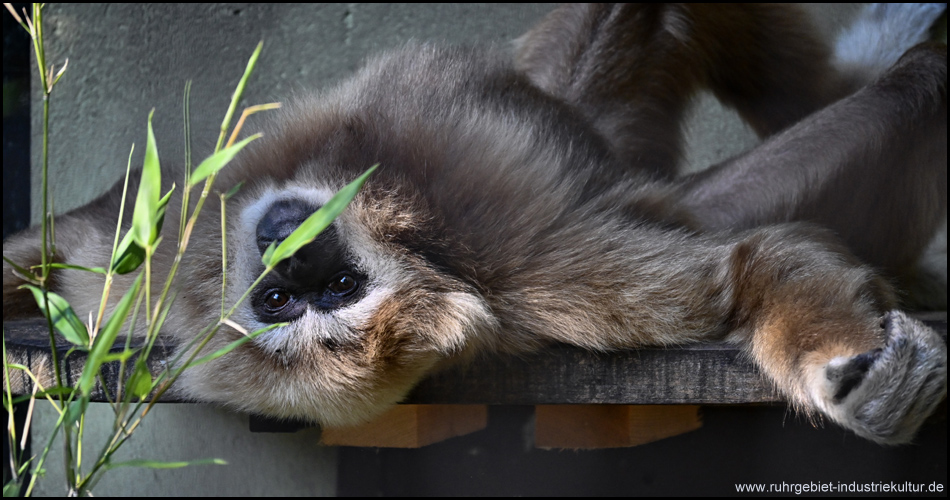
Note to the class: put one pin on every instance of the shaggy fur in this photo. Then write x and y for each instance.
(529, 199)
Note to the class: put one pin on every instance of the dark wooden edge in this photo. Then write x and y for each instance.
(714, 373)
(711, 373)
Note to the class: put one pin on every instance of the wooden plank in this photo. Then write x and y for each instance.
(697, 374)
(715, 373)
(611, 426)
(411, 426)
(27, 343)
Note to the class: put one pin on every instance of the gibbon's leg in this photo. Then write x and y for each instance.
(872, 167)
(84, 237)
(812, 318)
(632, 68)
(810, 314)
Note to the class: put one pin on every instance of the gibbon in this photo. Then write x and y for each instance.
(528, 195)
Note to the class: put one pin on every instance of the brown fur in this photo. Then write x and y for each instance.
(525, 203)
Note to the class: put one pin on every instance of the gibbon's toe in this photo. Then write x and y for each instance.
(846, 375)
(886, 394)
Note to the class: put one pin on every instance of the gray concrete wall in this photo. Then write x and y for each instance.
(257, 464)
(125, 60)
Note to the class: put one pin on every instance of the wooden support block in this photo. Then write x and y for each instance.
(411, 426)
(611, 426)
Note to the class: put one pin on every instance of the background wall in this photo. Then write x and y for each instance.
(125, 60)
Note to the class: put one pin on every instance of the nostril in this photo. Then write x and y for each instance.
(280, 220)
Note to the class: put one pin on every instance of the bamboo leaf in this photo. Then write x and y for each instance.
(11, 489)
(59, 392)
(317, 222)
(64, 319)
(238, 92)
(75, 410)
(118, 356)
(234, 190)
(162, 203)
(97, 270)
(145, 214)
(233, 345)
(160, 214)
(268, 255)
(26, 273)
(154, 464)
(129, 255)
(106, 338)
(140, 383)
(214, 163)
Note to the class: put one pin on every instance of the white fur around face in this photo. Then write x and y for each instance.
(340, 325)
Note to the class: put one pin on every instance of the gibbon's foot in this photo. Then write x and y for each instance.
(886, 394)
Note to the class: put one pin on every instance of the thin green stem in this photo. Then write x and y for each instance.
(42, 459)
(224, 252)
(82, 428)
(68, 456)
(183, 214)
(37, 36)
(8, 406)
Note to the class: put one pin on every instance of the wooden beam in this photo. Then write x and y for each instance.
(611, 426)
(411, 426)
(713, 373)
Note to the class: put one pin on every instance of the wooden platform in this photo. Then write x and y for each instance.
(583, 399)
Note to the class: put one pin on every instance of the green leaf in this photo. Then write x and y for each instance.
(63, 317)
(22, 270)
(97, 270)
(140, 383)
(160, 214)
(129, 256)
(11, 489)
(234, 190)
(75, 410)
(268, 255)
(154, 464)
(317, 222)
(214, 163)
(162, 203)
(238, 91)
(118, 356)
(106, 338)
(233, 345)
(145, 216)
(60, 392)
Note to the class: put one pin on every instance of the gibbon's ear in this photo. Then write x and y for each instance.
(462, 317)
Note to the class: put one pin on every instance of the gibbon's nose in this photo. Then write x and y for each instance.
(314, 264)
(280, 220)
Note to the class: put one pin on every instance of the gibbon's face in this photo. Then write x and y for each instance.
(365, 320)
(370, 306)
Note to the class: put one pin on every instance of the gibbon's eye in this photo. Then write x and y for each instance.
(276, 299)
(343, 284)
